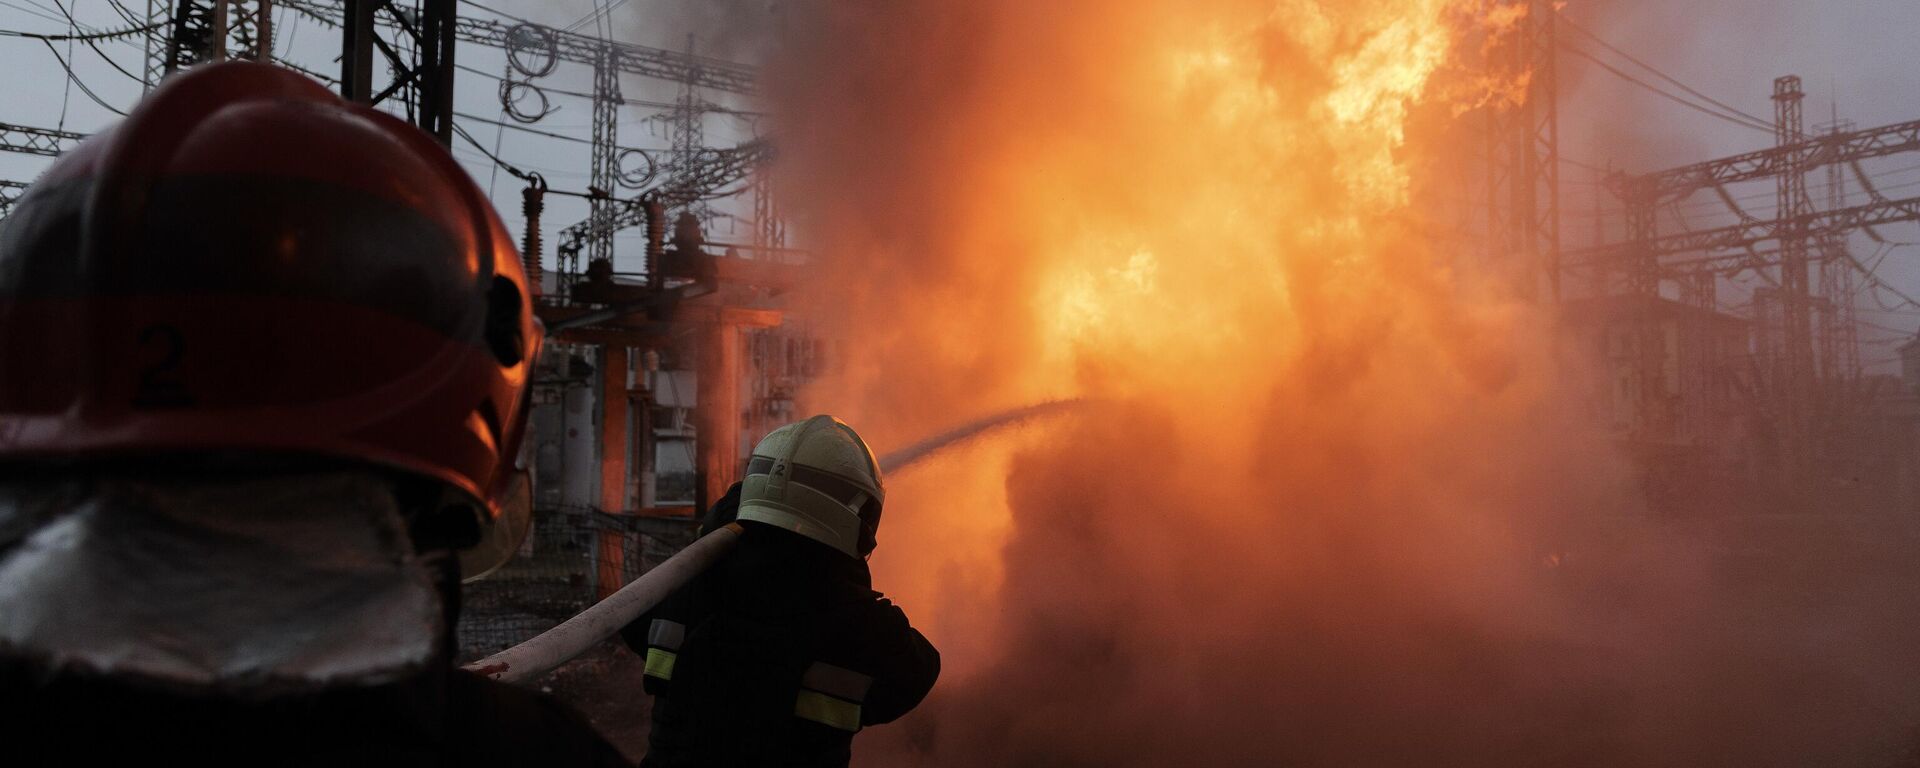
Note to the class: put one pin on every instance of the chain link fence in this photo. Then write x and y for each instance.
(572, 558)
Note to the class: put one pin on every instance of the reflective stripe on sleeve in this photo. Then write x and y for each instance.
(666, 634)
(827, 710)
(660, 663)
(838, 681)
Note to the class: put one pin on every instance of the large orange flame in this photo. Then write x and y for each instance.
(1317, 432)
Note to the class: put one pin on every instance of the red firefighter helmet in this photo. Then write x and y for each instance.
(249, 263)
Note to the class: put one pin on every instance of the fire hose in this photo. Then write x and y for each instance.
(576, 635)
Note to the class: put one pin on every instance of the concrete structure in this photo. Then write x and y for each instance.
(1674, 384)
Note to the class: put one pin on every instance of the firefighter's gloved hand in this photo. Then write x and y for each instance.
(722, 512)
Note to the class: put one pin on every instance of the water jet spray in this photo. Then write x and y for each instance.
(574, 636)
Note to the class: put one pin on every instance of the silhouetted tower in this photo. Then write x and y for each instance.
(1796, 375)
(209, 30)
(1839, 327)
(1523, 179)
(605, 162)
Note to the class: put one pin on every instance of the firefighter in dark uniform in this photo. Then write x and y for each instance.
(264, 372)
(783, 651)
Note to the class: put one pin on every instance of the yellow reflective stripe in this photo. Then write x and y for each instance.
(839, 681)
(660, 663)
(827, 710)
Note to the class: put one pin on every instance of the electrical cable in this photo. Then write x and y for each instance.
(125, 13)
(522, 128)
(32, 12)
(66, 92)
(717, 62)
(1584, 164)
(1878, 283)
(40, 5)
(502, 14)
(295, 32)
(624, 100)
(499, 134)
(598, 12)
(96, 49)
(1701, 205)
(75, 80)
(1656, 71)
(102, 35)
(508, 167)
(1877, 326)
(330, 80)
(1709, 111)
(543, 170)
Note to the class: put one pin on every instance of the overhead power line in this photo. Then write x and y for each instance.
(1682, 101)
(521, 128)
(94, 47)
(598, 12)
(33, 12)
(102, 35)
(1584, 164)
(502, 164)
(75, 80)
(1712, 205)
(1657, 72)
(501, 14)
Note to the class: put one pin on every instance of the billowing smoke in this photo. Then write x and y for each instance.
(1332, 502)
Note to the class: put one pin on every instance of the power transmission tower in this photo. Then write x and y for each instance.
(424, 79)
(211, 30)
(1796, 382)
(248, 28)
(604, 171)
(10, 191)
(562, 45)
(1839, 324)
(1802, 374)
(45, 142)
(27, 140)
(769, 229)
(716, 169)
(1523, 179)
(156, 58)
(687, 135)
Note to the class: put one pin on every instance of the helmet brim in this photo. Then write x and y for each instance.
(501, 539)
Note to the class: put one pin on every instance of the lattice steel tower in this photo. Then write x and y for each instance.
(1523, 179)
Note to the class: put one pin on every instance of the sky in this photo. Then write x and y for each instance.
(1854, 56)
(37, 93)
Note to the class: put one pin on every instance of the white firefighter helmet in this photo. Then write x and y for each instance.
(818, 479)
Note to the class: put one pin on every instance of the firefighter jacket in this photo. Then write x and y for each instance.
(776, 657)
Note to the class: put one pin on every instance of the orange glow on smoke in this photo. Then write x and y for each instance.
(1228, 223)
